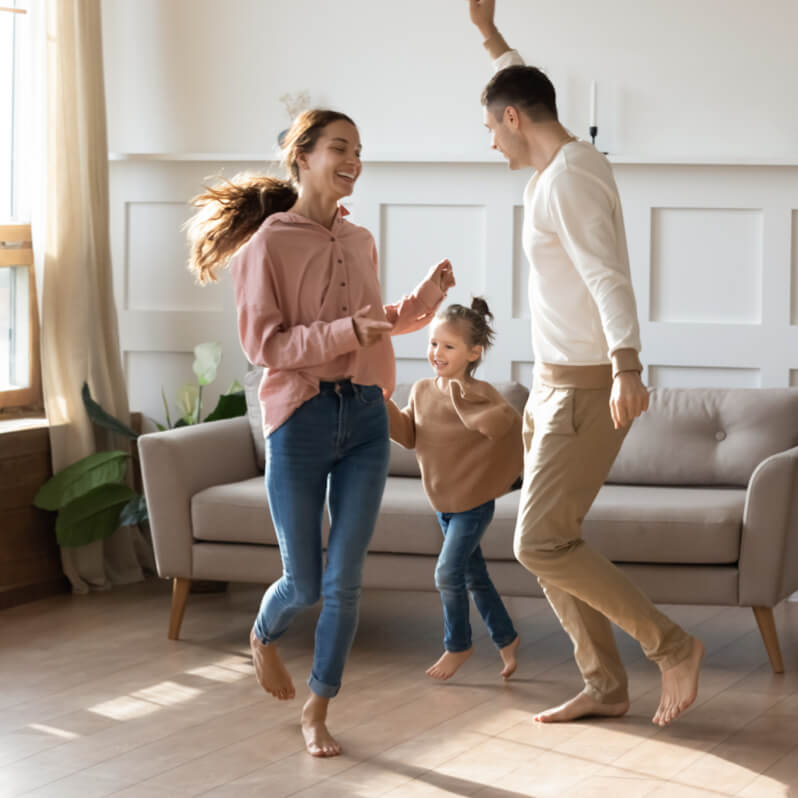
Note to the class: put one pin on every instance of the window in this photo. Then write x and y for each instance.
(19, 358)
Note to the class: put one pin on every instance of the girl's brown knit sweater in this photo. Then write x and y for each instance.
(468, 442)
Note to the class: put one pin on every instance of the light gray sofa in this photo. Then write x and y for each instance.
(701, 507)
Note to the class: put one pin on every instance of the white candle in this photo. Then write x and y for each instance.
(593, 122)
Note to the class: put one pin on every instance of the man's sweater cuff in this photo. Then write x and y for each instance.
(625, 360)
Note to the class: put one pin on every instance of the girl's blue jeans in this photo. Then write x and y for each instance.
(461, 570)
(336, 443)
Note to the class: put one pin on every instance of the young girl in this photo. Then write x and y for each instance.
(469, 447)
(309, 310)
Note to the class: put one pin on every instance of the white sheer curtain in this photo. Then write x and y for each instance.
(79, 330)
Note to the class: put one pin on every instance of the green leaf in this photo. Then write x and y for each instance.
(229, 405)
(81, 477)
(103, 419)
(93, 516)
(207, 357)
(134, 512)
(235, 387)
(166, 408)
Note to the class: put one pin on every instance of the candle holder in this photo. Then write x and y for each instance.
(593, 133)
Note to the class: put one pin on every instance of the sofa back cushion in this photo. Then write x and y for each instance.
(707, 436)
(403, 461)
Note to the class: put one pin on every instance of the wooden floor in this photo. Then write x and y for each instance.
(95, 701)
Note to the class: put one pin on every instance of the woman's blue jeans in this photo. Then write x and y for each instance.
(337, 442)
(461, 570)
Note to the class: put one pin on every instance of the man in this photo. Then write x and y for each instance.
(587, 388)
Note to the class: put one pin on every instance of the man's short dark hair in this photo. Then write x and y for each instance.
(525, 88)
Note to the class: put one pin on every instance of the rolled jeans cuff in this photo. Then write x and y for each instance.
(321, 689)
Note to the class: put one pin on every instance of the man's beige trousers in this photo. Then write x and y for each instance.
(570, 444)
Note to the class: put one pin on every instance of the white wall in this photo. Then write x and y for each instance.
(714, 248)
(683, 77)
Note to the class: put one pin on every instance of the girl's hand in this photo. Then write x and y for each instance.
(369, 331)
(443, 275)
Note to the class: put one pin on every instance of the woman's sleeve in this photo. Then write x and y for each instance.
(415, 311)
(266, 338)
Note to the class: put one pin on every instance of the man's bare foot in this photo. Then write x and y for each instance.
(508, 657)
(318, 741)
(269, 669)
(679, 686)
(581, 706)
(448, 664)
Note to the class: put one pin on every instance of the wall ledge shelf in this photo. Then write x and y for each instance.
(448, 158)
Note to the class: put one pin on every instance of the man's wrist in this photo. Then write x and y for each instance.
(625, 360)
(494, 42)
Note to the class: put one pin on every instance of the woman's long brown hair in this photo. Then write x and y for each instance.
(230, 212)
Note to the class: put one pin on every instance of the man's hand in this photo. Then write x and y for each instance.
(443, 275)
(369, 331)
(482, 14)
(629, 398)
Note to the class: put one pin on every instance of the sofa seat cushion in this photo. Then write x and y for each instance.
(237, 512)
(644, 524)
(627, 523)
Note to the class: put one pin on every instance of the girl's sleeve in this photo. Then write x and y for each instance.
(402, 423)
(265, 336)
(484, 411)
(415, 311)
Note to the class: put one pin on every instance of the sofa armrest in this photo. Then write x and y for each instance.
(178, 463)
(769, 546)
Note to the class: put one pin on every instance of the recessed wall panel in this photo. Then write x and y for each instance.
(521, 371)
(706, 265)
(411, 369)
(794, 269)
(520, 267)
(702, 377)
(155, 258)
(415, 237)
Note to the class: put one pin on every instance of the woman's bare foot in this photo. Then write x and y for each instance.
(318, 741)
(508, 657)
(448, 664)
(581, 706)
(679, 686)
(269, 669)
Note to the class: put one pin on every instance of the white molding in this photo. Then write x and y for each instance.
(444, 158)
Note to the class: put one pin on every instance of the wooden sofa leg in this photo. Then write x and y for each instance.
(770, 637)
(180, 588)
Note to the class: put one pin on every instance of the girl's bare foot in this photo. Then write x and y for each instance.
(508, 657)
(448, 664)
(318, 741)
(269, 669)
(581, 706)
(679, 686)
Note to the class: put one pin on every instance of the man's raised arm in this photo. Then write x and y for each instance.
(482, 15)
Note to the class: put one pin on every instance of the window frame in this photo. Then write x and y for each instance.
(16, 250)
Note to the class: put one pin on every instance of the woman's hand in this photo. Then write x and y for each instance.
(369, 331)
(443, 275)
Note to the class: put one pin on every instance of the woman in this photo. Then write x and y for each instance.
(310, 312)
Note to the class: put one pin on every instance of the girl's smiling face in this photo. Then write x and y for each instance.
(449, 352)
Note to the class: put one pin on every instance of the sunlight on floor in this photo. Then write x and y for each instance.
(62, 733)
